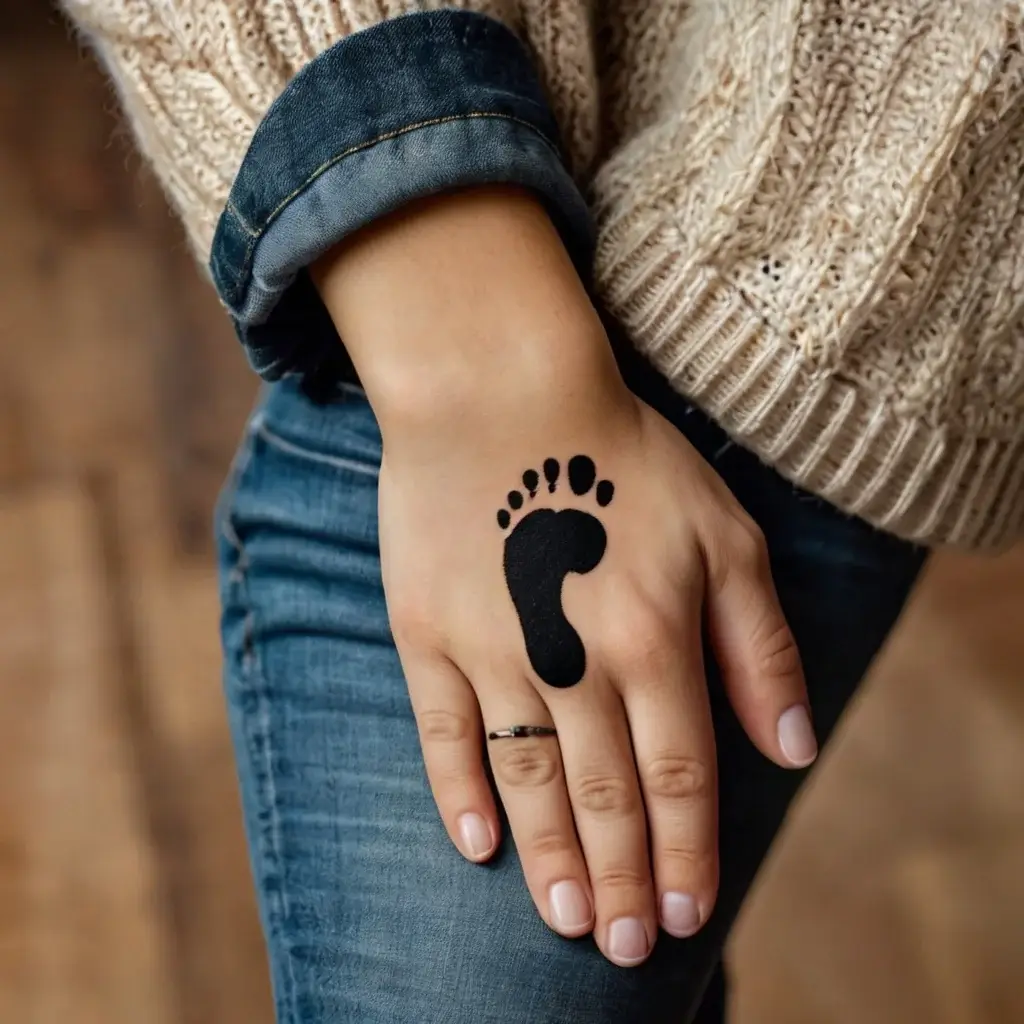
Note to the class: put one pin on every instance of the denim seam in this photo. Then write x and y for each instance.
(239, 464)
(256, 234)
(258, 742)
(328, 460)
(237, 214)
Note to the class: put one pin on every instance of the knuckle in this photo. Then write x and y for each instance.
(748, 546)
(438, 726)
(411, 626)
(550, 842)
(693, 860)
(606, 795)
(653, 652)
(739, 546)
(620, 877)
(688, 868)
(777, 653)
(675, 777)
(641, 639)
(525, 763)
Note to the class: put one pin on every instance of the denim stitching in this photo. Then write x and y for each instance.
(337, 461)
(257, 737)
(225, 503)
(254, 238)
(404, 130)
(236, 213)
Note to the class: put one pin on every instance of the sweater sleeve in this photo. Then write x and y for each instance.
(196, 77)
(277, 127)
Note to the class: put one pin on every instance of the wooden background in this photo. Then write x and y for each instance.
(897, 894)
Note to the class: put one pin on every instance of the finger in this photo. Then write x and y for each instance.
(608, 808)
(448, 720)
(531, 784)
(663, 687)
(755, 649)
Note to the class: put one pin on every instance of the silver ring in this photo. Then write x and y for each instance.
(515, 732)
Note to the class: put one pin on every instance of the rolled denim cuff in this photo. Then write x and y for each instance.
(414, 106)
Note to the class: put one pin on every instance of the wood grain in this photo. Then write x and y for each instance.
(121, 379)
(83, 932)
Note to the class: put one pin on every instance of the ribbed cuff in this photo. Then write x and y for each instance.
(915, 479)
(412, 107)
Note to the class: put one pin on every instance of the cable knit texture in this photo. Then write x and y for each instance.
(810, 212)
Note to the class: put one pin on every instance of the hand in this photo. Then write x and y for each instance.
(548, 543)
(513, 603)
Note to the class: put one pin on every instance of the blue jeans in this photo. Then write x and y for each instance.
(370, 914)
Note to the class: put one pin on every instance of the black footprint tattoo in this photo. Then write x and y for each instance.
(542, 549)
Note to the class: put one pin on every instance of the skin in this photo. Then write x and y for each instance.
(482, 355)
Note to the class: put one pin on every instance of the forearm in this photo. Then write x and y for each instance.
(462, 302)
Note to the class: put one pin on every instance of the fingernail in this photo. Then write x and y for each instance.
(796, 736)
(627, 941)
(570, 908)
(680, 915)
(476, 836)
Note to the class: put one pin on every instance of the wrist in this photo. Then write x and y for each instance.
(540, 382)
(464, 307)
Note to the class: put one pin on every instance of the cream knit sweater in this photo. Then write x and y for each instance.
(810, 212)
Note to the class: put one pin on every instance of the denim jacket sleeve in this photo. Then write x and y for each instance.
(417, 105)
